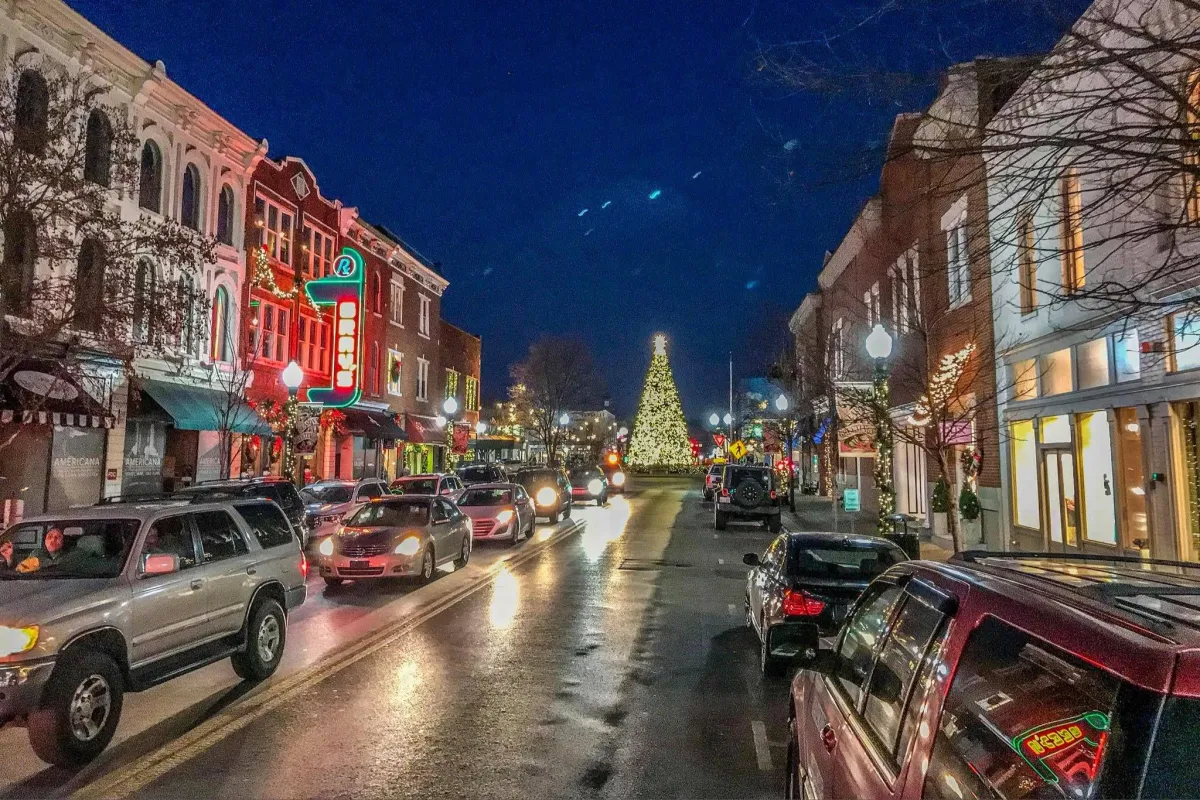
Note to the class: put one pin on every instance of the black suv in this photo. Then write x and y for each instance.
(550, 490)
(472, 474)
(747, 493)
(281, 490)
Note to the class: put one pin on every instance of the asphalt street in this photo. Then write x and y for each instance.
(604, 660)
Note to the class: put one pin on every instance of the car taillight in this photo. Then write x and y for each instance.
(724, 492)
(303, 566)
(773, 495)
(801, 604)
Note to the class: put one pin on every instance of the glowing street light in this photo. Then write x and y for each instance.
(450, 406)
(879, 347)
(879, 343)
(291, 377)
(565, 419)
(728, 419)
(781, 403)
(480, 428)
(714, 419)
(440, 420)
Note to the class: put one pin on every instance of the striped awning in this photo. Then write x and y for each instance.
(60, 418)
(42, 391)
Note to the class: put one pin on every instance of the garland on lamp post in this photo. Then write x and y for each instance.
(884, 443)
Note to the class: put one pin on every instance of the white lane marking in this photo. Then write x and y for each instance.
(720, 561)
(762, 751)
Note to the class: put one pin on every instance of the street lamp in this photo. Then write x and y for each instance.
(728, 419)
(565, 419)
(449, 410)
(781, 403)
(292, 376)
(879, 348)
(714, 419)
(787, 429)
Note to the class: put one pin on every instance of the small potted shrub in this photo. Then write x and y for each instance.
(939, 506)
(969, 512)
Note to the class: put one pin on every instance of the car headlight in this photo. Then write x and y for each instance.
(408, 547)
(595, 486)
(618, 479)
(504, 516)
(546, 496)
(17, 640)
(325, 548)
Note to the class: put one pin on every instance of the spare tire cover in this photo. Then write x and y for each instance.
(749, 493)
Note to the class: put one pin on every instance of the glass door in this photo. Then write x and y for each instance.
(1062, 513)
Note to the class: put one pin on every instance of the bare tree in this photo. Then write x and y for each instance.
(557, 376)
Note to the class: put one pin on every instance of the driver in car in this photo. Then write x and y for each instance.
(52, 553)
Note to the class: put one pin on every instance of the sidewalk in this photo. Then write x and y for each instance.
(816, 514)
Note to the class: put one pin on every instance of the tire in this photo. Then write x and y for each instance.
(516, 535)
(749, 494)
(428, 566)
(72, 740)
(708, 496)
(793, 787)
(771, 666)
(333, 583)
(774, 524)
(266, 636)
(602, 500)
(464, 555)
(553, 517)
(566, 514)
(720, 520)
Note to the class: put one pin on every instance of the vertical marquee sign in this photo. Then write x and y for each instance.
(342, 292)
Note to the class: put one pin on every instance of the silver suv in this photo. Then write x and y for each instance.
(99, 601)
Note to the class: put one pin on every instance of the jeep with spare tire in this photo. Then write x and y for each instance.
(747, 493)
(123, 596)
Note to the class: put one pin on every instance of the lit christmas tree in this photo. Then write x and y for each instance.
(660, 436)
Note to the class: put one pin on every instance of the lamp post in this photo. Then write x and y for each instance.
(446, 418)
(292, 376)
(480, 430)
(879, 348)
(788, 431)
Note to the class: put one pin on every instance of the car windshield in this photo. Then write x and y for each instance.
(327, 493)
(392, 515)
(67, 548)
(476, 473)
(417, 486)
(854, 561)
(583, 474)
(738, 476)
(486, 497)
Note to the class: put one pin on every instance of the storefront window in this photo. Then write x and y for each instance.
(1024, 374)
(1026, 506)
(1056, 430)
(1093, 363)
(1189, 439)
(1185, 341)
(1095, 460)
(1056, 372)
(1132, 479)
(1128, 358)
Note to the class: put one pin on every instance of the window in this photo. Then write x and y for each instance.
(20, 264)
(906, 292)
(958, 264)
(1184, 330)
(423, 317)
(1071, 233)
(268, 524)
(189, 206)
(220, 327)
(472, 393)
(860, 636)
(320, 253)
(150, 178)
(276, 226)
(871, 301)
(1024, 377)
(1026, 266)
(1022, 719)
(144, 285)
(395, 373)
(314, 344)
(422, 379)
(225, 216)
(97, 155)
(269, 336)
(32, 114)
(89, 286)
(219, 536)
(370, 490)
(1026, 504)
(374, 368)
(187, 309)
(1092, 360)
(1056, 372)
(451, 383)
(1095, 462)
(171, 537)
(837, 353)
(1132, 483)
(397, 302)
(376, 294)
(1128, 360)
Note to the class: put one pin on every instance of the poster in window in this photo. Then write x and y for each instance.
(76, 467)
(145, 443)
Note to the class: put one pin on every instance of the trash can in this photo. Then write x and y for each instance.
(910, 543)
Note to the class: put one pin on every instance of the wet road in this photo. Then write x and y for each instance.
(610, 660)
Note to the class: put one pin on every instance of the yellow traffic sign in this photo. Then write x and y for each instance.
(737, 449)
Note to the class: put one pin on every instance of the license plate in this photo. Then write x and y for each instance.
(360, 565)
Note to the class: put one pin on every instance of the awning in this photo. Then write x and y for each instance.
(42, 392)
(195, 408)
(373, 424)
(423, 430)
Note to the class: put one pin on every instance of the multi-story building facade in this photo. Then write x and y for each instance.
(460, 354)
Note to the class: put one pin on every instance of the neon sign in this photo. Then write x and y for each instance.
(342, 292)
(1044, 748)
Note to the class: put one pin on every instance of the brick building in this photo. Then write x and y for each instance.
(460, 361)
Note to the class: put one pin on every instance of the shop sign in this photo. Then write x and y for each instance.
(462, 438)
(958, 432)
(851, 500)
(1041, 746)
(308, 431)
(341, 292)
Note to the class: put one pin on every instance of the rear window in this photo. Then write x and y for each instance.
(284, 494)
(419, 486)
(268, 524)
(477, 473)
(584, 474)
(486, 497)
(536, 477)
(848, 561)
(736, 475)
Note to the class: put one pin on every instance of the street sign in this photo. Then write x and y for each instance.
(737, 449)
(850, 499)
(719, 439)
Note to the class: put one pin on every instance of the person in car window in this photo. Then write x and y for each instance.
(54, 553)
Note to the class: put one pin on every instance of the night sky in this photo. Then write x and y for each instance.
(478, 131)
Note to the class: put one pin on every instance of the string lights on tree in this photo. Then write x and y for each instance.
(660, 437)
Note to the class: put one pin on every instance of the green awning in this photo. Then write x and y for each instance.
(195, 408)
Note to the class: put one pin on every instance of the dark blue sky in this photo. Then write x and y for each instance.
(479, 130)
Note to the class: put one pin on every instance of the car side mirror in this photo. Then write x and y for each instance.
(751, 560)
(159, 564)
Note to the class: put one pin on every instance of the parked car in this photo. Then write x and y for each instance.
(498, 511)
(282, 491)
(408, 536)
(550, 490)
(327, 503)
(118, 598)
(811, 578)
(747, 493)
(1006, 675)
(712, 481)
(446, 485)
(588, 483)
(472, 474)
(615, 473)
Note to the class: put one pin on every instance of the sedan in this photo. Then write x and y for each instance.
(589, 483)
(804, 583)
(431, 484)
(396, 537)
(498, 511)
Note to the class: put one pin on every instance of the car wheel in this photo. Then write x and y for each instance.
(266, 635)
(774, 525)
(749, 615)
(566, 514)
(720, 520)
(516, 534)
(428, 565)
(553, 517)
(79, 710)
(771, 666)
(793, 787)
(333, 583)
(601, 500)
(465, 554)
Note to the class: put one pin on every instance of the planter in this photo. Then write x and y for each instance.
(940, 528)
(972, 532)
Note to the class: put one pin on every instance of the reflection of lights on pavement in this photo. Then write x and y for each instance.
(543, 534)
(406, 680)
(505, 599)
(604, 529)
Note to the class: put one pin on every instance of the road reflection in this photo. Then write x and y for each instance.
(604, 529)
(505, 599)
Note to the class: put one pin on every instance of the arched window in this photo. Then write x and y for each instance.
(89, 286)
(143, 296)
(225, 216)
(150, 179)
(97, 157)
(20, 263)
(218, 345)
(32, 112)
(189, 209)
